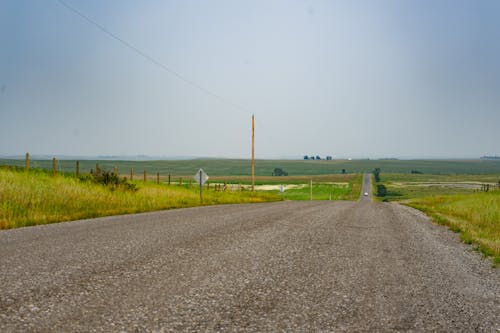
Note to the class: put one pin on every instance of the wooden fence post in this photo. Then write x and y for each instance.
(115, 170)
(144, 175)
(27, 163)
(310, 189)
(168, 179)
(131, 173)
(158, 177)
(180, 181)
(54, 166)
(77, 169)
(97, 169)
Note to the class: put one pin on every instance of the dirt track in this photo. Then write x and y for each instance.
(287, 266)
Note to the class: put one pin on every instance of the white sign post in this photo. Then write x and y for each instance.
(201, 177)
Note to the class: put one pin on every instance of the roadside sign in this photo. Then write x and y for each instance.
(201, 177)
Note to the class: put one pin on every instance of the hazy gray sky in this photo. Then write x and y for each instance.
(342, 78)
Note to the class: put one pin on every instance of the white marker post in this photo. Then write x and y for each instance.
(201, 177)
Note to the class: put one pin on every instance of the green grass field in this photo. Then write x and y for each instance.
(337, 191)
(38, 198)
(325, 187)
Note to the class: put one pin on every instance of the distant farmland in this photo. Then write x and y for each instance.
(232, 167)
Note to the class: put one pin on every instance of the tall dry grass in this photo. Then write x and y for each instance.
(37, 198)
(476, 216)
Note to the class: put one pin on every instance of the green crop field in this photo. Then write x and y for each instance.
(231, 167)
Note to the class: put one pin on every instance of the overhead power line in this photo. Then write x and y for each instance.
(153, 60)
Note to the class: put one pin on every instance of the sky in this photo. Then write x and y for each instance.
(358, 79)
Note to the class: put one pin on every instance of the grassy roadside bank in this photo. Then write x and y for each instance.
(410, 186)
(38, 198)
(475, 216)
(455, 201)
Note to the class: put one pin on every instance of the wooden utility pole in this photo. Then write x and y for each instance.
(54, 166)
(27, 162)
(77, 169)
(253, 153)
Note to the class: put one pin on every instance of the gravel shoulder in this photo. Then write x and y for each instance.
(286, 266)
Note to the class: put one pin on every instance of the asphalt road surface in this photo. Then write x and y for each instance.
(286, 266)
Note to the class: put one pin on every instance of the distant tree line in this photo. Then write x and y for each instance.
(317, 157)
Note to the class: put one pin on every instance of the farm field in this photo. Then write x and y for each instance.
(242, 167)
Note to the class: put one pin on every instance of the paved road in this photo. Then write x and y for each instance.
(287, 266)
